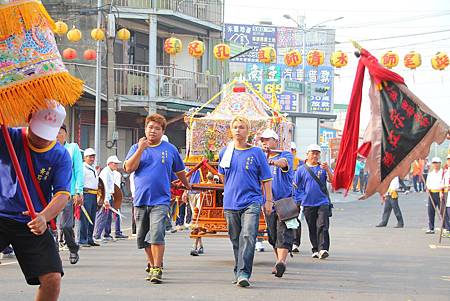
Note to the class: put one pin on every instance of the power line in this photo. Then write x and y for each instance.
(322, 9)
(399, 20)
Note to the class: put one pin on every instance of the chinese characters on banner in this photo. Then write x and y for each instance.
(320, 91)
(288, 37)
(271, 82)
(404, 125)
(253, 36)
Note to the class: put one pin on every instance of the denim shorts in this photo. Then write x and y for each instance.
(150, 225)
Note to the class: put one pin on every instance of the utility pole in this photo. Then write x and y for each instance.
(152, 49)
(98, 89)
(112, 136)
(112, 133)
(302, 27)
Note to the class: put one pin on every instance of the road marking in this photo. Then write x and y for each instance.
(439, 247)
(445, 278)
(8, 263)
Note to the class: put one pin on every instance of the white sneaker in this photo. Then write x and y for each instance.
(323, 254)
(259, 247)
(295, 249)
(315, 255)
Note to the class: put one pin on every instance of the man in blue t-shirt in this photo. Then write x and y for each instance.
(243, 169)
(153, 161)
(315, 202)
(33, 243)
(281, 163)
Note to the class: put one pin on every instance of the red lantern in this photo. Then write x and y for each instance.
(90, 54)
(69, 54)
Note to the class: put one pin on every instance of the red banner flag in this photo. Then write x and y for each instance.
(401, 129)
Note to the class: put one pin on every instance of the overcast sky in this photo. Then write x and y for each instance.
(415, 20)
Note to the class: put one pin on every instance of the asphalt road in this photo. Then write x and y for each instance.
(365, 263)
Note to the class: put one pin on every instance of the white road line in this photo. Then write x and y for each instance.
(7, 263)
(439, 247)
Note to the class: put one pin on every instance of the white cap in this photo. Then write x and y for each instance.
(89, 152)
(47, 122)
(436, 160)
(269, 133)
(293, 145)
(313, 147)
(165, 138)
(113, 159)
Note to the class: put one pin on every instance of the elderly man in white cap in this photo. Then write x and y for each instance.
(104, 215)
(50, 164)
(87, 218)
(435, 186)
(310, 181)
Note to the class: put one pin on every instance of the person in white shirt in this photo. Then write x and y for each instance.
(435, 187)
(390, 201)
(90, 199)
(104, 216)
(446, 198)
(118, 232)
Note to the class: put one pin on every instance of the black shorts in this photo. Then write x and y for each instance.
(37, 255)
(280, 236)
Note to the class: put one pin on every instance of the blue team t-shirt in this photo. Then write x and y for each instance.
(155, 171)
(53, 169)
(282, 179)
(243, 179)
(308, 192)
(195, 179)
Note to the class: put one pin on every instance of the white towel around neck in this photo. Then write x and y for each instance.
(226, 159)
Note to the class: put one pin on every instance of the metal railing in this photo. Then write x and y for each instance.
(207, 10)
(171, 82)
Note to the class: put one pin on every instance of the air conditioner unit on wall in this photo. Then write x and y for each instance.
(179, 89)
(166, 89)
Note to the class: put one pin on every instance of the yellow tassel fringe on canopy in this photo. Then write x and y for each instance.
(19, 14)
(19, 100)
(22, 97)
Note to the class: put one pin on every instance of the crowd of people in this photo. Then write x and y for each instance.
(427, 176)
(257, 180)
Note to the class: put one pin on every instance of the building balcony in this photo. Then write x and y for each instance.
(131, 84)
(204, 10)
